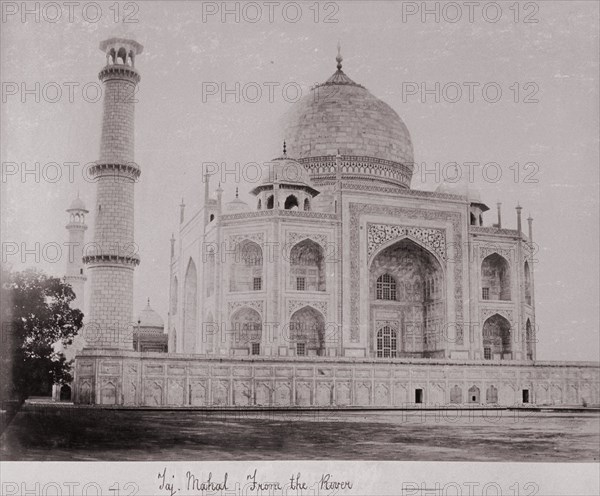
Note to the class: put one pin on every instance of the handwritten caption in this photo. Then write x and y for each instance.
(206, 483)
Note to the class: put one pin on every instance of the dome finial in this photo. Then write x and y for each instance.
(339, 57)
(284, 149)
(237, 192)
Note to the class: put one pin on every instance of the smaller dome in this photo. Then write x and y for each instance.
(236, 205)
(285, 171)
(77, 204)
(459, 188)
(149, 318)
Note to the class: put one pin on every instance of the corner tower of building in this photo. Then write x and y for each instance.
(112, 256)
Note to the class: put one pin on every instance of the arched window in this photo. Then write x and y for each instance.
(122, 56)
(386, 287)
(259, 206)
(387, 343)
(307, 267)
(211, 218)
(246, 269)
(291, 202)
(495, 278)
(307, 331)
(473, 219)
(247, 326)
(306, 205)
(270, 202)
(497, 338)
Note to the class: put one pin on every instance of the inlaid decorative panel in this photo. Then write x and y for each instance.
(378, 234)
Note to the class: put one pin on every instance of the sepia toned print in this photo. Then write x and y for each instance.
(324, 250)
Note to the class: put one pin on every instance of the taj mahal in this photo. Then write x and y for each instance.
(332, 284)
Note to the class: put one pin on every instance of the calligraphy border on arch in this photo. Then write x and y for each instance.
(294, 238)
(254, 304)
(486, 312)
(256, 237)
(320, 305)
(358, 209)
(487, 249)
(380, 233)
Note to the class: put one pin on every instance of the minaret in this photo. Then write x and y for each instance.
(113, 255)
(76, 227)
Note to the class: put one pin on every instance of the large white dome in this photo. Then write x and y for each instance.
(341, 116)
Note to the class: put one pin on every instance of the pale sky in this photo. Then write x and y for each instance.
(176, 131)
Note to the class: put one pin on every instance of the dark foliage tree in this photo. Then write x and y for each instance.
(40, 317)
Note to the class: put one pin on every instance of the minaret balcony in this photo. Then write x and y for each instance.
(128, 170)
(102, 259)
(119, 71)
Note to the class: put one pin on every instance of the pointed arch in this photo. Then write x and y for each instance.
(307, 331)
(405, 238)
(307, 266)
(497, 340)
(122, 55)
(474, 394)
(495, 278)
(246, 324)
(270, 202)
(190, 308)
(246, 271)
(291, 202)
(306, 205)
(406, 279)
